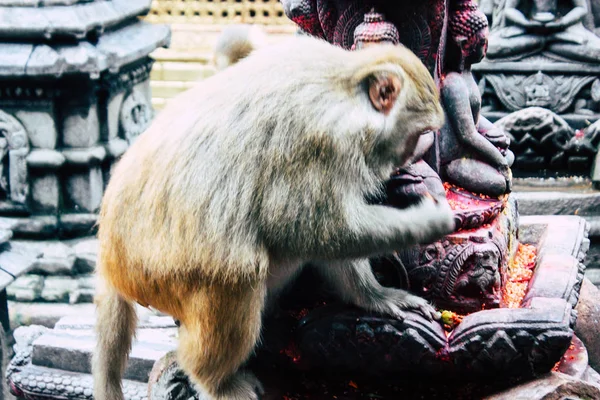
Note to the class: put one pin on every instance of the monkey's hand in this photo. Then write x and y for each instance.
(431, 220)
(395, 301)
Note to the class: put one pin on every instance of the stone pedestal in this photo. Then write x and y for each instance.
(338, 338)
(569, 89)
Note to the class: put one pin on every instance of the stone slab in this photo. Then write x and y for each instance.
(114, 50)
(77, 20)
(588, 321)
(554, 386)
(48, 314)
(558, 203)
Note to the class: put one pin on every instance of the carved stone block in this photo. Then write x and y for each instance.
(45, 192)
(84, 190)
(81, 126)
(39, 122)
(563, 87)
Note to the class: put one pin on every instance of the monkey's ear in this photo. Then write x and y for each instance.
(384, 89)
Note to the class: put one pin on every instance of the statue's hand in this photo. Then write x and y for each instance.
(556, 25)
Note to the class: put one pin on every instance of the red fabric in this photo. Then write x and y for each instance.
(420, 23)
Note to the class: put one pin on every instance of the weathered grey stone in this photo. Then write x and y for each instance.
(595, 175)
(558, 203)
(71, 351)
(26, 335)
(85, 291)
(26, 288)
(86, 251)
(13, 56)
(85, 157)
(81, 127)
(85, 190)
(58, 289)
(593, 274)
(588, 321)
(75, 21)
(116, 148)
(53, 257)
(554, 386)
(45, 158)
(592, 376)
(45, 314)
(37, 226)
(78, 224)
(45, 192)
(131, 43)
(17, 263)
(38, 120)
(114, 109)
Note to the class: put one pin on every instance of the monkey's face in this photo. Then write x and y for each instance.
(403, 99)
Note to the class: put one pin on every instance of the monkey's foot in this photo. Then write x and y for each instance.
(396, 301)
(244, 385)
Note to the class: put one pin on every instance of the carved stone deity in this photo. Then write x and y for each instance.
(544, 54)
(473, 153)
(556, 26)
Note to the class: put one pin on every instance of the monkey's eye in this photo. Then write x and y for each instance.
(383, 92)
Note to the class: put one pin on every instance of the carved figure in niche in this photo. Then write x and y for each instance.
(524, 27)
(473, 152)
(14, 146)
(136, 115)
(482, 276)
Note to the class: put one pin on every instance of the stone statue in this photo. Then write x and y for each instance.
(473, 153)
(556, 26)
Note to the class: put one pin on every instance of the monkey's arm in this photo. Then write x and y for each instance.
(374, 229)
(354, 283)
(455, 97)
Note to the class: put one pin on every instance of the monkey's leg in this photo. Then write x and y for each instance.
(218, 333)
(354, 282)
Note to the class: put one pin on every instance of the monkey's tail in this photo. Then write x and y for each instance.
(115, 328)
(235, 43)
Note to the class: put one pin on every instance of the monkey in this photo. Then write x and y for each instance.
(236, 42)
(246, 178)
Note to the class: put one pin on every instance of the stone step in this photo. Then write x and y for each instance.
(48, 314)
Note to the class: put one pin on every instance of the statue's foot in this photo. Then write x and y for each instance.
(477, 177)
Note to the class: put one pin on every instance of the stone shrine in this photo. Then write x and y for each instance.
(543, 54)
(74, 92)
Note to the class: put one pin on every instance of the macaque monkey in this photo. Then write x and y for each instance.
(246, 178)
(237, 42)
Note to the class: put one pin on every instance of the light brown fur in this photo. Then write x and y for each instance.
(237, 42)
(244, 179)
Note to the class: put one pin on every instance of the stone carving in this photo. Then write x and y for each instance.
(473, 153)
(557, 93)
(14, 148)
(555, 26)
(72, 99)
(542, 139)
(543, 53)
(136, 115)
